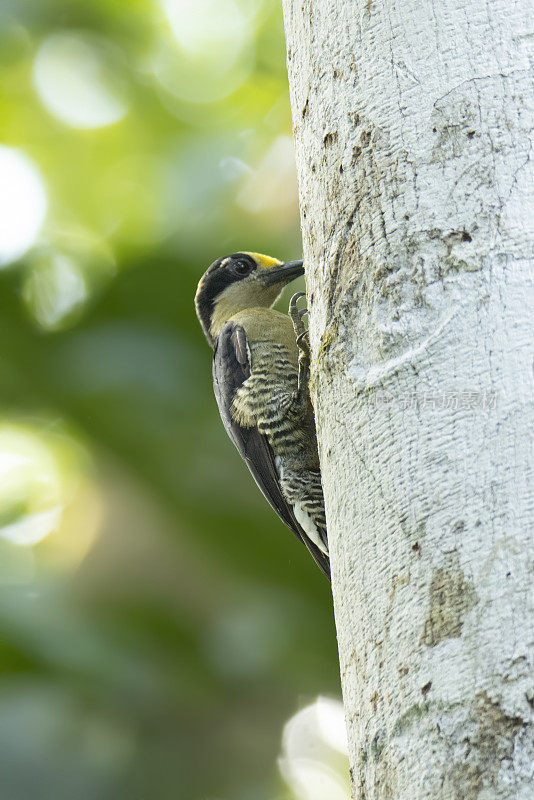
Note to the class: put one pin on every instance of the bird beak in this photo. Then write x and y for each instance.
(283, 274)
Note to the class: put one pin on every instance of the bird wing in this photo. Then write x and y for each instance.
(231, 367)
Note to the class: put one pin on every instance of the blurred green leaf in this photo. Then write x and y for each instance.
(160, 655)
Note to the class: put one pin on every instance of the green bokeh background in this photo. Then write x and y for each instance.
(158, 656)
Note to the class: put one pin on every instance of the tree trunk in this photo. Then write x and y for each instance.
(413, 127)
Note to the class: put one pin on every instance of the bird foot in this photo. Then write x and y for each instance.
(301, 333)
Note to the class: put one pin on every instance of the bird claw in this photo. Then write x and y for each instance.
(296, 313)
(303, 344)
(301, 333)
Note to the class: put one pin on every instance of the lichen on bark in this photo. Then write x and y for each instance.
(451, 597)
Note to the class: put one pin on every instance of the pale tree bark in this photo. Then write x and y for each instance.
(413, 129)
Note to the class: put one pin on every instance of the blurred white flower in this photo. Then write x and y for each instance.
(314, 760)
(45, 494)
(30, 488)
(54, 289)
(64, 272)
(22, 204)
(210, 53)
(205, 25)
(77, 81)
(331, 717)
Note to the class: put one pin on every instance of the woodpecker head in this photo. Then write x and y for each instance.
(237, 282)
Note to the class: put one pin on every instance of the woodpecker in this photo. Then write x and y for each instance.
(260, 379)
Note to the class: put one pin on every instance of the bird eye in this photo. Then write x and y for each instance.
(242, 267)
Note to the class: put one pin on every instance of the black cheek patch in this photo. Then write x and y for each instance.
(213, 284)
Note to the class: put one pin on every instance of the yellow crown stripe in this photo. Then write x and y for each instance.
(263, 261)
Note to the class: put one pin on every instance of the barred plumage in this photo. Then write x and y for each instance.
(267, 400)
